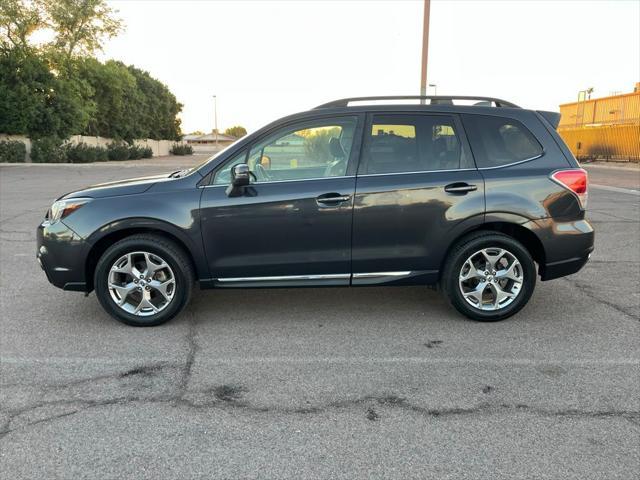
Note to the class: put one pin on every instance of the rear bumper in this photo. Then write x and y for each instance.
(567, 246)
(564, 267)
(61, 253)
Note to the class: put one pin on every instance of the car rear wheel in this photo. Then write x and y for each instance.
(144, 280)
(489, 276)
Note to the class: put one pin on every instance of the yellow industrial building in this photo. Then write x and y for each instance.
(603, 128)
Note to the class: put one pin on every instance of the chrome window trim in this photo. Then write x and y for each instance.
(418, 171)
(279, 278)
(389, 173)
(281, 181)
(513, 163)
(381, 274)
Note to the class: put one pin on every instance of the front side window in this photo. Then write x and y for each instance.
(413, 143)
(498, 141)
(315, 149)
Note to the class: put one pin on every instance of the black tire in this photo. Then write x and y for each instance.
(166, 249)
(467, 247)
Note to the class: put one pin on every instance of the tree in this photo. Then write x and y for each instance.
(114, 93)
(36, 102)
(236, 131)
(80, 26)
(61, 90)
(18, 20)
(160, 109)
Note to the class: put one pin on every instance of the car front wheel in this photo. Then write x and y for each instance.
(144, 280)
(489, 276)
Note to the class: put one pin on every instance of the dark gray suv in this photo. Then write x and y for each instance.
(472, 194)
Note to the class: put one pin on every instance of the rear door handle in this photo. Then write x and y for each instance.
(460, 187)
(332, 198)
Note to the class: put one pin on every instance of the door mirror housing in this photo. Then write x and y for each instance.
(240, 175)
(240, 178)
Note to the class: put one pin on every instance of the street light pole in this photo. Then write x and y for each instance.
(425, 47)
(215, 117)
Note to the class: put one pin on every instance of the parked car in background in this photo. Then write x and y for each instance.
(472, 194)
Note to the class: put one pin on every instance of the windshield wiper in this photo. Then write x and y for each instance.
(179, 173)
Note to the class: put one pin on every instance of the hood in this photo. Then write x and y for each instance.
(131, 186)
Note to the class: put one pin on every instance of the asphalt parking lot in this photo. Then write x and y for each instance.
(320, 383)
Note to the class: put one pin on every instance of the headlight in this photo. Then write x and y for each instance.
(63, 208)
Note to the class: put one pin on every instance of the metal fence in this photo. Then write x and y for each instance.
(603, 128)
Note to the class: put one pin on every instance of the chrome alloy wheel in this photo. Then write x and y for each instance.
(491, 279)
(141, 283)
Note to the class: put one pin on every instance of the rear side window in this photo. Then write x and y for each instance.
(498, 141)
(413, 143)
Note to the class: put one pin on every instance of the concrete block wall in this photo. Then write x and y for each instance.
(158, 147)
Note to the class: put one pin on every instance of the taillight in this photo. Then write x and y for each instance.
(575, 180)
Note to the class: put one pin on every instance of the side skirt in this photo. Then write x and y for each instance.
(420, 277)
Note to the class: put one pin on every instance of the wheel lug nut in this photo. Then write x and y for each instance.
(146, 288)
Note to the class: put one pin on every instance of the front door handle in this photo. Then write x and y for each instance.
(332, 198)
(460, 187)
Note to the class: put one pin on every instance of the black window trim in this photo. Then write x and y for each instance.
(354, 155)
(461, 133)
(542, 153)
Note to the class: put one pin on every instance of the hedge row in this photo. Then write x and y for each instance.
(181, 149)
(12, 151)
(51, 150)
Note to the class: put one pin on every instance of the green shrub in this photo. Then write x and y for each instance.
(118, 151)
(83, 153)
(136, 152)
(181, 149)
(12, 151)
(147, 152)
(48, 150)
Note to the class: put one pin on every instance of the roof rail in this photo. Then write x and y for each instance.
(433, 100)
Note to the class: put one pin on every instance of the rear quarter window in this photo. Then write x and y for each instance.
(498, 141)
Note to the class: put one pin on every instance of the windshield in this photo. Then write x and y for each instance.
(214, 156)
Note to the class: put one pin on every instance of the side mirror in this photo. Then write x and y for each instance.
(240, 175)
(240, 178)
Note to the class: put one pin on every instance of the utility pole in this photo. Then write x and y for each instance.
(425, 47)
(215, 117)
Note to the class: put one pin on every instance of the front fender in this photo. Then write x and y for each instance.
(176, 213)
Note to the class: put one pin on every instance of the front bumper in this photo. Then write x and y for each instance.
(61, 253)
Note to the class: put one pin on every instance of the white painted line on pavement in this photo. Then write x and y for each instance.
(615, 189)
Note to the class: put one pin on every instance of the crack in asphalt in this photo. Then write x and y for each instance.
(231, 398)
(139, 372)
(226, 396)
(192, 350)
(585, 288)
